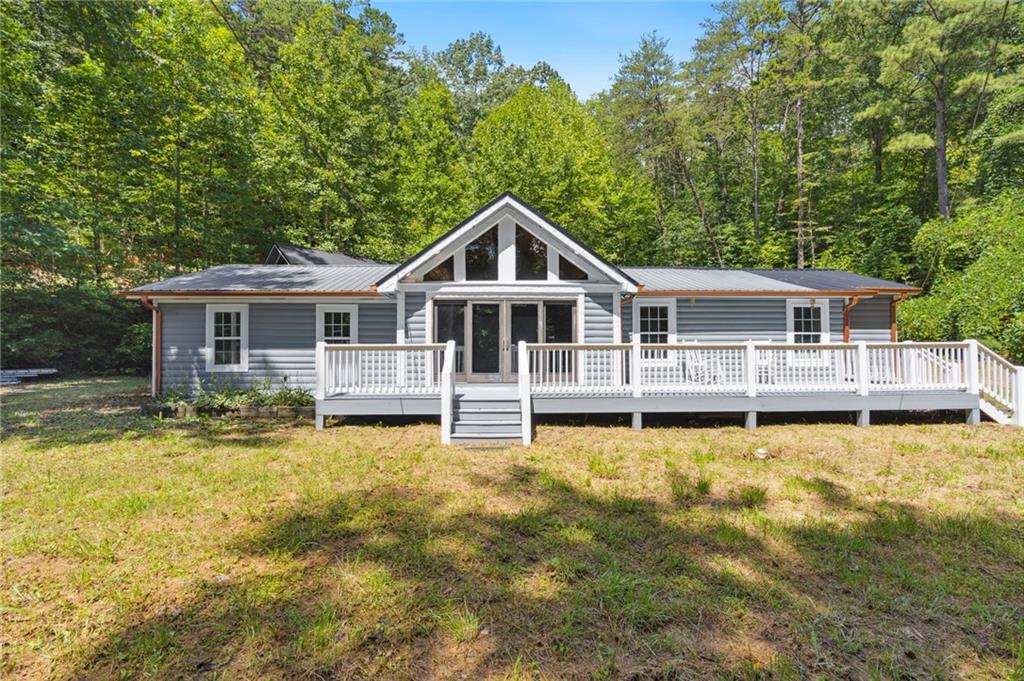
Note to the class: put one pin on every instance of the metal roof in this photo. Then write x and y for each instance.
(682, 279)
(757, 280)
(271, 279)
(832, 280)
(303, 255)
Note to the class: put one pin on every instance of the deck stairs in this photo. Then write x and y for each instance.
(485, 415)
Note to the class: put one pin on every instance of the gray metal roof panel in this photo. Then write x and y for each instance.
(272, 278)
(686, 279)
(834, 280)
(303, 255)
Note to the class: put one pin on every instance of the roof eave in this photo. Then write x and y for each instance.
(245, 294)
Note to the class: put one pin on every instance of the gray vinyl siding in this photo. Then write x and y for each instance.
(377, 323)
(416, 317)
(282, 342)
(598, 318)
(720, 320)
(627, 321)
(869, 320)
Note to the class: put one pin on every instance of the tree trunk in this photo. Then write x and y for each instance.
(941, 165)
(801, 204)
(695, 193)
(754, 143)
(177, 197)
(876, 152)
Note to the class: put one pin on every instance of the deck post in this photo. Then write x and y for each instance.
(320, 419)
(1018, 397)
(972, 365)
(750, 422)
(863, 377)
(750, 367)
(863, 418)
(321, 370)
(447, 392)
(973, 417)
(634, 370)
(638, 420)
(526, 415)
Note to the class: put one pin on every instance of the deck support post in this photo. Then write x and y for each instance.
(1018, 394)
(634, 362)
(863, 376)
(750, 422)
(974, 417)
(972, 366)
(320, 421)
(863, 418)
(525, 408)
(638, 420)
(750, 367)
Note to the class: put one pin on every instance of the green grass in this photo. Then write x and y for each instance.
(139, 548)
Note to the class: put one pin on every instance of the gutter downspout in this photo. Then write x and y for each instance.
(158, 328)
(846, 317)
(892, 315)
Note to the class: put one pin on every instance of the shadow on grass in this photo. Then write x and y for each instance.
(539, 575)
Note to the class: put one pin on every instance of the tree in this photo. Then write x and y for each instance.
(432, 184)
(942, 43)
(544, 146)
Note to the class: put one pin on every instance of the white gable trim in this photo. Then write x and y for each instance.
(447, 245)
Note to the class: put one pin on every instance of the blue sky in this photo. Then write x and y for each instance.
(581, 40)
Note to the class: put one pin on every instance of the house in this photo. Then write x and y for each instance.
(507, 316)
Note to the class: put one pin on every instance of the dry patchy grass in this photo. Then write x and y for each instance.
(140, 548)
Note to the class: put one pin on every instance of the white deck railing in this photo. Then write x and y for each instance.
(741, 369)
(376, 369)
(768, 368)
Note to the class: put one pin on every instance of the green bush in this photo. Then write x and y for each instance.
(219, 397)
(977, 261)
(73, 329)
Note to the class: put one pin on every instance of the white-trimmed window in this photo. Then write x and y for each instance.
(654, 322)
(337, 324)
(227, 337)
(807, 321)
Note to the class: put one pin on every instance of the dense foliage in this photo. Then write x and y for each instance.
(146, 138)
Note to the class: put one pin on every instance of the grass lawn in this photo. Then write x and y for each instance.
(227, 549)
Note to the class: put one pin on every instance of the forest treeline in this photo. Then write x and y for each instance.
(145, 138)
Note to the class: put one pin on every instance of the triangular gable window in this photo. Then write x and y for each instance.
(531, 256)
(443, 272)
(568, 271)
(482, 257)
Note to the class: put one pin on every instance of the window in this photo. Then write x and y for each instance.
(227, 337)
(531, 256)
(337, 324)
(568, 271)
(559, 320)
(654, 324)
(443, 272)
(807, 321)
(482, 257)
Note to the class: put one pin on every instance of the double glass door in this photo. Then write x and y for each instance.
(487, 333)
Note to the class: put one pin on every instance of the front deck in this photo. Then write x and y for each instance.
(743, 378)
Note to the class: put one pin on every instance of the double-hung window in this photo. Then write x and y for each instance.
(807, 321)
(337, 324)
(227, 337)
(656, 325)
